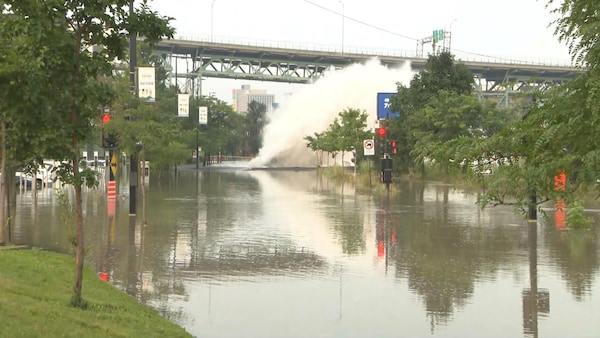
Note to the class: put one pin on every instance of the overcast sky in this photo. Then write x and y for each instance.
(481, 29)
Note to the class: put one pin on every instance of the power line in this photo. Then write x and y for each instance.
(402, 35)
(361, 22)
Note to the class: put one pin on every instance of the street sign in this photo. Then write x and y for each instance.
(369, 147)
(146, 83)
(113, 164)
(203, 115)
(183, 104)
(438, 35)
(383, 106)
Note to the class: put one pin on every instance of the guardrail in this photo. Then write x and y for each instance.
(463, 56)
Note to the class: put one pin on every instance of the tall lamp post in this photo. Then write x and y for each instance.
(450, 37)
(343, 21)
(212, 7)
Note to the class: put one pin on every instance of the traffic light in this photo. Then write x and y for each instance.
(106, 118)
(394, 146)
(386, 170)
(381, 131)
(108, 140)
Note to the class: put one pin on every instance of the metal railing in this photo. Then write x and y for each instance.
(373, 51)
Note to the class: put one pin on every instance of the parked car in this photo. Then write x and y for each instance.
(44, 175)
(26, 181)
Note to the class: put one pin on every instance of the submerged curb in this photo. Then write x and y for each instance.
(13, 247)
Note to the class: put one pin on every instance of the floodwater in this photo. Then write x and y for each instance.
(227, 252)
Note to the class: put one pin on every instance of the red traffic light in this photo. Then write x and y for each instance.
(106, 118)
(394, 144)
(381, 132)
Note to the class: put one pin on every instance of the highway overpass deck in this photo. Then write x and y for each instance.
(220, 59)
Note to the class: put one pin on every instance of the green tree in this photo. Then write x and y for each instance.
(256, 119)
(353, 130)
(445, 118)
(559, 130)
(441, 73)
(345, 133)
(69, 32)
(577, 26)
(152, 127)
(219, 135)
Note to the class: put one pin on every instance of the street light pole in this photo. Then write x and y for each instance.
(343, 22)
(132, 54)
(450, 37)
(212, 7)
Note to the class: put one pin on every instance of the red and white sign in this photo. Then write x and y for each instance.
(369, 147)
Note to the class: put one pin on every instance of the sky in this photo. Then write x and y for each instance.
(480, 29)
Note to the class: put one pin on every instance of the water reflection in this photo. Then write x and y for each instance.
(575, 253)
(229, 252)
(536, 301)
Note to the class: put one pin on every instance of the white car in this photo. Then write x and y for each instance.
(44, 176)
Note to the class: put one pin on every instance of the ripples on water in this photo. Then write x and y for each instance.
(235, 253)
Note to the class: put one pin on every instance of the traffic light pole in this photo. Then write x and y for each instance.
(133, 158)
(133, 179)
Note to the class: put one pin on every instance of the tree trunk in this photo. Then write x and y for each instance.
(446, 173)
(3, 180)
(76, 299)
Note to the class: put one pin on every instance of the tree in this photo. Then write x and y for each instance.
(345, 133)
(578, 27)
(443, 119)
(353, 130)
(29, 124)
(559, 131)
(441, 73)
(69, 32)
(256, 120)
(154, 125)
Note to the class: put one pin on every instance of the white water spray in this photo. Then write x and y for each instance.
(315, 107)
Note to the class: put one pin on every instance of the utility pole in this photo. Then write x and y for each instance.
(133, 165)
(343, 22)
(212, 9)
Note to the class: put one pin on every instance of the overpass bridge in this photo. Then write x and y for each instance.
(298, 64)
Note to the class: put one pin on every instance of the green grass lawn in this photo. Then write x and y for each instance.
(35, 290)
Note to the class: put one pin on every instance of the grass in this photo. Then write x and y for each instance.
(35, 289)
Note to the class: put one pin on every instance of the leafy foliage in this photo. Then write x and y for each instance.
(70, 46)
(345, 133)
(441, 121)
(256, 120)
(578, 26)
(576, 218)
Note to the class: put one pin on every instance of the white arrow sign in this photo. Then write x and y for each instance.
(369, 147)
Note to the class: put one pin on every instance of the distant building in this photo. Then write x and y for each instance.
(242, 97)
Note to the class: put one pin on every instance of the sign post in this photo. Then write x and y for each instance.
(369, 150)
(202, 119)
(369, 147)
(183, 105)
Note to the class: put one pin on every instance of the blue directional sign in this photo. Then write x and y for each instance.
(383, 106)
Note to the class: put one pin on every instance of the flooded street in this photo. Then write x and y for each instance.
(228, 252)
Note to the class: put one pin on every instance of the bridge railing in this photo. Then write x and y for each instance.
(329, 48)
